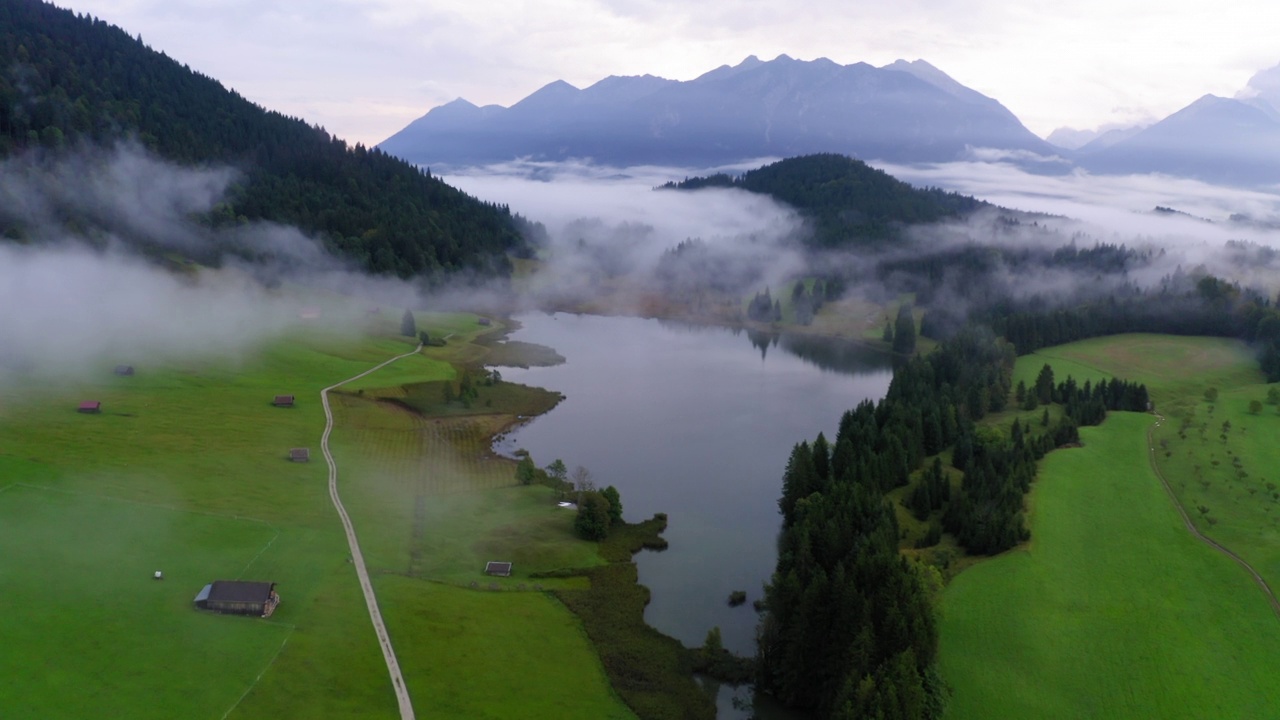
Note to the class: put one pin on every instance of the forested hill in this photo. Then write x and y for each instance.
(68, 79)
(846, 200)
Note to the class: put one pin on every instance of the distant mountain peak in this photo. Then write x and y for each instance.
(910, 112)
(922, 70)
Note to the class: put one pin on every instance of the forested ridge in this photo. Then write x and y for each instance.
(845, 201)
(67, 80)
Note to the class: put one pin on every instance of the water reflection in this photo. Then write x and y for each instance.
(692, 421)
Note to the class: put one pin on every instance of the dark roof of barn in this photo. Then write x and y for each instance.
(240, 591)
(87, 404)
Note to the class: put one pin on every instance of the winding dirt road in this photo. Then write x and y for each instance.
(1191, 528)
(393, 666)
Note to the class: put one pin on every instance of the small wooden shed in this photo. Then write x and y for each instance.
(283, 401)
(124, 369)
(238, 597)
(90, 406)
(300, 454)
(501, 569)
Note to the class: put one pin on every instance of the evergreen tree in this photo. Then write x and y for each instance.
(525, 471)
(592, 522)
(407, 325)
(611, 494)
(904, 331)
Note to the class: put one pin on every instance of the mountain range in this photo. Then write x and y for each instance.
(903, 112)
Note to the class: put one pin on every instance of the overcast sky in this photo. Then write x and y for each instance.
(366, 68)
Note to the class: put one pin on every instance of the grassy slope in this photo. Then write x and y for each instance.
(187, 451)
(1201, 465)
(1068, 513)
(1114, 610)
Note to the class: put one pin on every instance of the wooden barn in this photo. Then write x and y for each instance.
(486, 321)
(501, 569)
(239, 597)
(124, 369)
(300, 454)
(90, 406)
(283, 401)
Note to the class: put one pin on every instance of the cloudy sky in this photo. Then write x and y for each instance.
(366, 68)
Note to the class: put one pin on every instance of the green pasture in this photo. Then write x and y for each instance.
(1113, 610)
(1171, 366)
(1224, 477)
(88, 631)
(185, 470)
(1223, 462)
(496, 655)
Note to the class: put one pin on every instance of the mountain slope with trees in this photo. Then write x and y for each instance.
(70, 80)
(843, 199)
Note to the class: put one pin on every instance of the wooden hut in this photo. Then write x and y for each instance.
(90, 406)
(300, 454)
(283, 401)
(239, 597)
(124, 369)
(501, 569)
(486, 321)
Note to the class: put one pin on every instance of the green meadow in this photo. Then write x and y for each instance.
(1218, 457)
(1114, 609)
(185, 470)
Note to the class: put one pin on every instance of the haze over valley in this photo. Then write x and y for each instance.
(698, 362)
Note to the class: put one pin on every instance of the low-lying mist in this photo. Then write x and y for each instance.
(97, 268)
(97, 276)
(604, 221)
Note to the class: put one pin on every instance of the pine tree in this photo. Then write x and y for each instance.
(904, 331)
(407, 325)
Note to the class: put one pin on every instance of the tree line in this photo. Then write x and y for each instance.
(849, 629)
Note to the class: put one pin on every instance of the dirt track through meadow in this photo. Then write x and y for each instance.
(1191, 528)
(375, 615)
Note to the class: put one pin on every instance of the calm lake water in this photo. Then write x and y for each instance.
(695, 422)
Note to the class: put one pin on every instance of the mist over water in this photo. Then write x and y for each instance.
(697, 423)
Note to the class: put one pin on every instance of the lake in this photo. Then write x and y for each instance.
(696, 422)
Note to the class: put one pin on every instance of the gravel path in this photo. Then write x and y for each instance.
(1191, 528)
(393, 666)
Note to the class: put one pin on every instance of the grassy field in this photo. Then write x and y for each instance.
(1222, 474)
(78, 568)
(1114, 610)
(185, 470)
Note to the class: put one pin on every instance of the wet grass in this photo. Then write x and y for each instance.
(83, 612)
(186, 465)
(497, 654)
(1114, 610)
